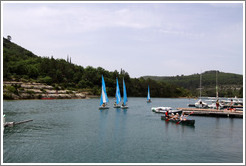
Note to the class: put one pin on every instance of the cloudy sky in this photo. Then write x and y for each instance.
(163, 39)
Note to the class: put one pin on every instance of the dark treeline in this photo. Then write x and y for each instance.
(21, 64)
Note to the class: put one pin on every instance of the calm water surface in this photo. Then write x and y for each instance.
(75, 131)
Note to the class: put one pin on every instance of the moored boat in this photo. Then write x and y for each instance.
(163, 110)
(199, 103)
(184, 122)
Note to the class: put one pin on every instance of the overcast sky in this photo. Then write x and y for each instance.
(161, 39)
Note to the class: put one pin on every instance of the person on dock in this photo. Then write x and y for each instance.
(231, 105)
(217, 104)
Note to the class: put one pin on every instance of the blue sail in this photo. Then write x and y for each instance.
(124, 92)
(117, 94)
(104, 97)
(148, 96)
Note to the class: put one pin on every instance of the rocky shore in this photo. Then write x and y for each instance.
(15, 90)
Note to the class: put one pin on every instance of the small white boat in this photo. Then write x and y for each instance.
(164, 109)
(124, 106)
(201, 104)
(156, 109)
(104, 97)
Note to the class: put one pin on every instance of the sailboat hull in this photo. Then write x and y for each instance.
(124, 107)
(117, 106)
(101, 107)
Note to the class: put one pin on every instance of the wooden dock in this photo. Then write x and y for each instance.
(212, 112)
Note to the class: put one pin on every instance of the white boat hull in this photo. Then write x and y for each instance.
(124, 107)
(154, 109)
(163, 110)
(117, 106)
(201, 104)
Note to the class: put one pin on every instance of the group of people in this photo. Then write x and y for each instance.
(176, 116)
(230, 107)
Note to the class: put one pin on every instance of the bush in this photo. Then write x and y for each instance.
(47, 80)
(12, 89)
(7, 96)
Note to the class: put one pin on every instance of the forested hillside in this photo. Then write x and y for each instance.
(229, 84)
(21, 64)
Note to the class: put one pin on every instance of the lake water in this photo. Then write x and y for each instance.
(76, 131)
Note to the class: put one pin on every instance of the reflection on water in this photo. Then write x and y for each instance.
(178, 128)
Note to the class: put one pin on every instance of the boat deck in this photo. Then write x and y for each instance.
(212, 112)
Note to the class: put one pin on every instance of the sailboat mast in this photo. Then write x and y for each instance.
(201, 85)
(217, 93)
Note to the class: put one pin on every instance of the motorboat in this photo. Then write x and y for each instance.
(164, 109)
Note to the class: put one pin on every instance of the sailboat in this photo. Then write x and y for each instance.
(148, 96)
(117, 95)
(104, 97)
(124, 106)
(213, 105)
(200, 103)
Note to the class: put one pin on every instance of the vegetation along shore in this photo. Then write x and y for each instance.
(28, 76)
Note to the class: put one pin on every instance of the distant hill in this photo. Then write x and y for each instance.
(228, 83)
